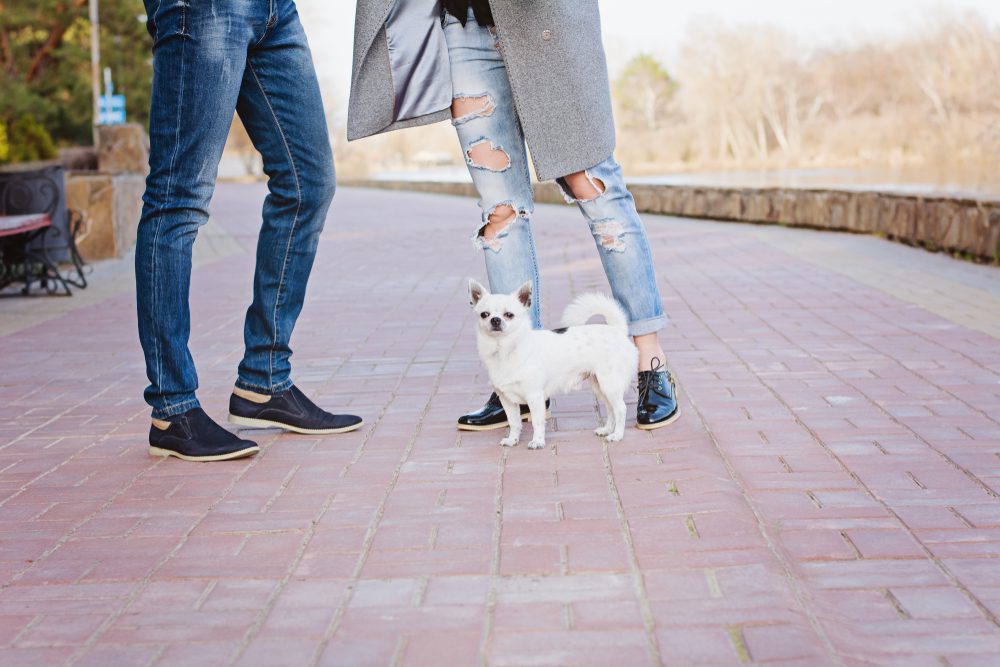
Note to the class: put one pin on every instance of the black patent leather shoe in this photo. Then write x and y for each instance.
(492, 416)
(194, 436)
(657, 404)
(291, 410)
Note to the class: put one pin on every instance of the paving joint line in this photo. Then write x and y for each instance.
(486, 641)
(794, 583)
(251, 633)
(956, 583)
(69, 535)
(373, 527)
(144, 582)
(917, 333)
(393, 394)
(61, 414)
(638, 581)
(370, 537)
(878, 406)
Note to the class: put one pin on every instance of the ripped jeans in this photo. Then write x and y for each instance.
(491, 137)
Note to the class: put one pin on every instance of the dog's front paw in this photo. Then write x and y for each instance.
(602, 430)
(509, 442)
(614, 437)
(536, 444)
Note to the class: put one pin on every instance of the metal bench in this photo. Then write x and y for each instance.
(25, 237)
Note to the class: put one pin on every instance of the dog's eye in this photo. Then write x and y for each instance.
(484, 315)
(509, 316)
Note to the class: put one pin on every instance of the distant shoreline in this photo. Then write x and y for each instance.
(913, 182)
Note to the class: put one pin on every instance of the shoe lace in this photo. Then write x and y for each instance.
(650, 380)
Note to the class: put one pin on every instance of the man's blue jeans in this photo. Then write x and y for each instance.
(209, 59)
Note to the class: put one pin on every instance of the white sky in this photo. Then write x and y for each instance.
(658, 26)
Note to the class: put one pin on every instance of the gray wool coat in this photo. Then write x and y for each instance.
(555, 62)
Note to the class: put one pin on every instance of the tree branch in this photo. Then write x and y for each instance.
(51, 44)
(8, 54)
(5, 48)
(55, 37)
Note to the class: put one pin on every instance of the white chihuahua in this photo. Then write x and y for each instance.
(527, 365)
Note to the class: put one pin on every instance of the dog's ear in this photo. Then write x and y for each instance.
(476, 292)
(524, 294)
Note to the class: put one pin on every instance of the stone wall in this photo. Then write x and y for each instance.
(109, 205)
(109, 200)
(123, 149)
(962, 225)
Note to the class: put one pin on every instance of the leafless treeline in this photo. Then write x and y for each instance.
(751, 97)
(746, 97)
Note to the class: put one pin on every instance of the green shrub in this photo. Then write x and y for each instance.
(45, 63)
(4, 144)
(25, 141)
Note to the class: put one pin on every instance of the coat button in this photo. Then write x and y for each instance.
(546, 35)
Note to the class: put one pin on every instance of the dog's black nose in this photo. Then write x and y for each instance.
(495, 322)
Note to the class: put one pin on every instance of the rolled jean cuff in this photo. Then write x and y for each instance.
(257, 389)
(176, 409)
(647, 326)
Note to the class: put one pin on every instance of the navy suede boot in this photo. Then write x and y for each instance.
(194, 436)
(291, 410)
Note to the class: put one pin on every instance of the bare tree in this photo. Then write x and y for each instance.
(644, 91)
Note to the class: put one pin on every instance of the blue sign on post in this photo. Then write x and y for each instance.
(111, 107)
(112, 110)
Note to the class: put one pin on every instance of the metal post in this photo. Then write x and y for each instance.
(95, 64)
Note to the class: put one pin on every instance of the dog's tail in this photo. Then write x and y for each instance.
(586, 306)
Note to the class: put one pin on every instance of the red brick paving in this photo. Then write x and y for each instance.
(828, 497)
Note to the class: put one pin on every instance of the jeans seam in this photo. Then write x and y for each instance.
(159, 217)
(174, 408)
(267, 27)
(156, 28)
(240, 382)
(291, 231)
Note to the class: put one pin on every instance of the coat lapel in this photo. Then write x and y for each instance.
(369, 19)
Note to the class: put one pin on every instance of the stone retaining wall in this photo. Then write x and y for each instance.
(109, 200)
(109, 205)
(962, 225)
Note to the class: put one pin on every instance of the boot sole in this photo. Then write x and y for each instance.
(267, 423)
(503, 424)
(243, 453)
(669, 420)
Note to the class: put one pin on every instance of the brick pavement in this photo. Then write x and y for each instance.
(829, 496)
